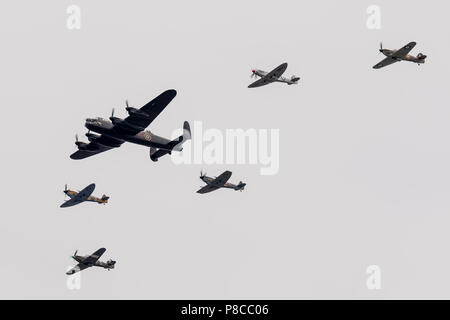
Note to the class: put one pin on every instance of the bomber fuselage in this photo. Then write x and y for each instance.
(107, 128)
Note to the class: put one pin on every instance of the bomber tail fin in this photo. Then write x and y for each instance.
(176, 144)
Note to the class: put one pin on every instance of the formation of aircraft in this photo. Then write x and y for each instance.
(85, 262)
(399, 55)
(114, 132)
(213, 184)
(77, 197)
(273, 76)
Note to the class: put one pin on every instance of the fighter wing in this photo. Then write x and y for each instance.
(385, 62)
(222, 179)
(93, 258)
(141, 119)
(97, 146)
(270, 77)
(401, 53)
(77, 268)
(81, 196)
(208, 188)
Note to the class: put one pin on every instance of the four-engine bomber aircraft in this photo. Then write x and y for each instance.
(219, 182)
(399, 55)
(116, 131)
(273, 76)
(81, 196)
(91, 261)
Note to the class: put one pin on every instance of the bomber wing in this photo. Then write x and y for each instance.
(97, 146)
(141, 119)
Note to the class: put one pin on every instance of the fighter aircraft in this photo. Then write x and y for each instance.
(219, 182)
(399, 55)
(273, 76)
(91, 261)
(115, 131)
(81, 196)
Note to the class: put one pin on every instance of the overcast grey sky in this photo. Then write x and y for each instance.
(364, 174)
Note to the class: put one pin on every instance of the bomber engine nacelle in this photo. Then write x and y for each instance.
(85, 146)
(81, 145)
(121, 123)
(136, 112)
(115, 120)
(92, 137)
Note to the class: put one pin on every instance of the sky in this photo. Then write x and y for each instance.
(363, 153)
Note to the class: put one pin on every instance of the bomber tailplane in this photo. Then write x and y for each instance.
(176, 144)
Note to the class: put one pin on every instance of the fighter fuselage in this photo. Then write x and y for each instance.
(71, 194)
(209, 180)
(391, 53)
(106, 265)
(261, 73)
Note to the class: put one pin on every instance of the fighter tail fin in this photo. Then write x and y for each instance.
(111, 263)
(421, 56)
(295, 79)
(240, 186)
(105, 197)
